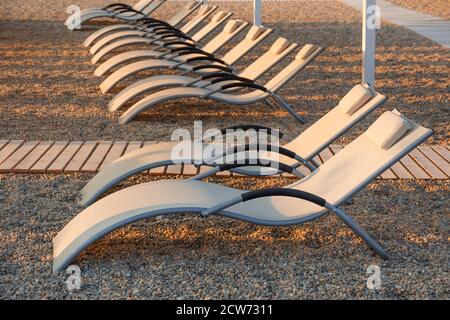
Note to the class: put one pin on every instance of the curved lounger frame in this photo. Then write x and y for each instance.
(355, 166)
(302, 150)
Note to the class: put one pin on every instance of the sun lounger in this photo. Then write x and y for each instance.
(280, 49)
(123, 57)
(260, 93)
(352, 109)
(231, 29)
(388, 140)
(174, 22)
(157, 30)
(177, 56)
(119, 11)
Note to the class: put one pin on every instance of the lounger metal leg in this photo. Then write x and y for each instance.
(358, 230)
(284, 105)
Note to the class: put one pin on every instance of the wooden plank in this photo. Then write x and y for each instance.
(44, 162)
(400, 171)
(426, 164)
(80, 157)
(317, 159)
(414, 168)
(3, 143)
(388, 174)
(115, 152)
(443, 152)
(33, 157)
(133, 145)
(9, 149)
(434, 157)
(336, 148)
(17, 156)
(93, 162)
(174, 169)
(63, 159)
(190, 170)
(157, 170)
(325, 154)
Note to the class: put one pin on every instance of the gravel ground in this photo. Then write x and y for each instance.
(186, 256)
(47, 91)
(438, 8)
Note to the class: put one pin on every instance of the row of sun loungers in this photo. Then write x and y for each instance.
(321, 191)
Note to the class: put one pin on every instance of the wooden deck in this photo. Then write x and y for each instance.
(18, 156)
(431, 27)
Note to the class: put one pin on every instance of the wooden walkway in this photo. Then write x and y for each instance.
(431, 27)
(18, 156)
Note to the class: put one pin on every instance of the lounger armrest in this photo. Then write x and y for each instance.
(177, 42)
(119, 11)
(177, 35)
(262, 147)
(284, 192)
(190, 50)
(162, 28)
(250, 162)
(270, 192)
(211, 66)
(244, 85)
(114, 6)
(187, 49)
(212, 75)
(231, 77)
(272, 148)
(213, 59)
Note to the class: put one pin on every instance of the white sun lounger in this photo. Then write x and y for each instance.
(305, 56)
(389, 139)
(143, 31)
(352, 108)
(230, 30)
(168, 60)
(280, 49)
(141, 9)
(124, 57)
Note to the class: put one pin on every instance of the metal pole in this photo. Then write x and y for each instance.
(368, 41)
(257, 12)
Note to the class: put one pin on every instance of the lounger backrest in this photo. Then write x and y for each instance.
(255, 35)
(152, 6)
(215, 22)
(190, 7)
(231, 29)
(364, 159)
(306, 55)
(279, 49)
(335, 123)
(201, 15)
